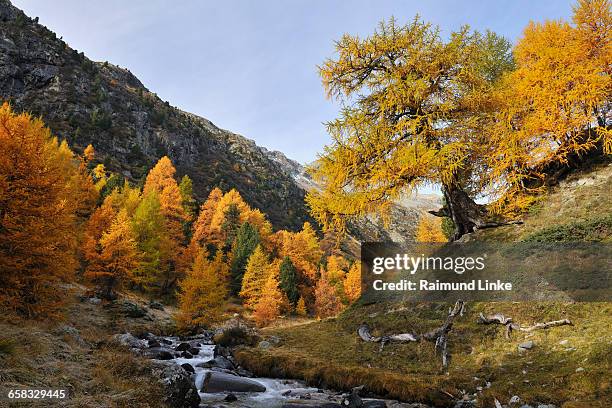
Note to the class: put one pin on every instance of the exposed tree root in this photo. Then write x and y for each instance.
(499, 318)
(439, 335)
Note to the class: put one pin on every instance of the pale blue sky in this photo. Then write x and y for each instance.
(250, 66)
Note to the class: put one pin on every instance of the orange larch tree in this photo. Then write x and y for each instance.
(38, 222)
(270, 303)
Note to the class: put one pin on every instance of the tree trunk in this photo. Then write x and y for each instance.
(465, 213)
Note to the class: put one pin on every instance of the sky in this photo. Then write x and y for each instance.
(250, 66)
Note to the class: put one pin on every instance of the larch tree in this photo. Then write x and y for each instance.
(149, 229)
(201, 294)
(554, 106)
(187, 200)
(429, 229)
(327, 301)
(118, 258)
(247, 239)
(255, 277)
(231, 224)
(288, 281)
(38, 222)
(300, 308)
(202, 234)
(161, 181)
(411, 112)
(268, 307)
(352, 282)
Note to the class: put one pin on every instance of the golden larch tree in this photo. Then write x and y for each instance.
(352, 282)
(429, 229)
(268, 307)
(118, 258)
(201, 294)
(38, 222)
(255, 277)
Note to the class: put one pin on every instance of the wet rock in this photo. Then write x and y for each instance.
(220, 362)
(528, 345)
(183, 347)
(186, 354)
(188, 367)
(222, 382)
(374, 404)
(194, 350)
(546, 406)
(179, 390)
(153, 343)
(159, 353)
(230, 398)
(314, 404)
(526, 406)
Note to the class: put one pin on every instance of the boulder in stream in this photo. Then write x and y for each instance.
(221, 382)
(179, 390)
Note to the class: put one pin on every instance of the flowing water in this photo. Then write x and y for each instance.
(275, 388)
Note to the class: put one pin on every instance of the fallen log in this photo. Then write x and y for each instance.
(499, 318)
(438, 335)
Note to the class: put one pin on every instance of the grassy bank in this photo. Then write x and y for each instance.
(568, 366)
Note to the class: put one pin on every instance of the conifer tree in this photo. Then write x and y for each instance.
(327, 301)
(429, 229)
(202, 233)
(201, 294)
(289, 280)
(38, 222)
(411, 101)
(269, 306)
(247, 239)
(300, 309)
(255, 277)
(118, 257)
(149, 226)
(352, 282)
(231, 224)
(186, 189)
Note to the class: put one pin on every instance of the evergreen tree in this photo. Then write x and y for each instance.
(289, 280)
(247, 239)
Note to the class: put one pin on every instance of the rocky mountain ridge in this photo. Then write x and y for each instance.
(130, 127)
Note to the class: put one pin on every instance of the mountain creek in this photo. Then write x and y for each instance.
(220, 382)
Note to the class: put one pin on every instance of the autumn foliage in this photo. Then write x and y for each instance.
(42, 189)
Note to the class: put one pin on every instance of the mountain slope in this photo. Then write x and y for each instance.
(130, 127)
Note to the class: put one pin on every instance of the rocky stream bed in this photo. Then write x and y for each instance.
(198, 373)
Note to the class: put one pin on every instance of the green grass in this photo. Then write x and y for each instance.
(329, 353)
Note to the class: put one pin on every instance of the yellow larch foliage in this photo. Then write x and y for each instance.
(553, 106)
(352, 282)
(38, 221)
(327, 301)
(268, 307)
(429, 229)
(255, 277)
(118, 257)
(201, 227)
(300, 308)
(202, 293)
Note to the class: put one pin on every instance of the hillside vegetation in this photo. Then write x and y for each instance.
(568, 366)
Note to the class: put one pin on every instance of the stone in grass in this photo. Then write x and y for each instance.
(528, 345)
